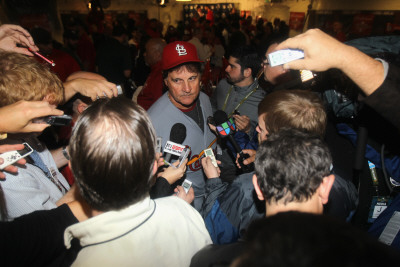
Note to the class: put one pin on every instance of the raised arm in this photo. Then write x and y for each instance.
(322, 52)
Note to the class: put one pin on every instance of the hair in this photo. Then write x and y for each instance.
(299, 109)
(290, 165)
(112, 151)
(23, 78)
(157, 44)
(194, 67)
(247, 57)
(304, 239)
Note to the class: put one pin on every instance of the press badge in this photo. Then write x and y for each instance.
(378, 205)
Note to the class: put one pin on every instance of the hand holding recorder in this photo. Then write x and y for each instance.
(11, 154)
(249, 160)
(18, 117)
(174, 172)
(209, 168)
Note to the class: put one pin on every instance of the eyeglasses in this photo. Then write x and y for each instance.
(265, 63)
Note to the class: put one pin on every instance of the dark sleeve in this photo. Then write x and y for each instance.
(161, 188)
(35, 239)
(214, 188)
(217, 255)
(385, 100)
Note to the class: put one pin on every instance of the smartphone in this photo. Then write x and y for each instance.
(55, 120)
(186, 185)
(185, 153)
(11, 157)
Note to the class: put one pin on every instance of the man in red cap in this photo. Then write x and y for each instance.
(184, 103)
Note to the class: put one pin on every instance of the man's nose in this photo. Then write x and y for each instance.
(186, 87)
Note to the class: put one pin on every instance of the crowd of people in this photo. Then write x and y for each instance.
(99, 191)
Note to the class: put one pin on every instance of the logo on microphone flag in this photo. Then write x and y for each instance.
(227, 127)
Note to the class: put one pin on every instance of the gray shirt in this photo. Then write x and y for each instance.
(249, 107)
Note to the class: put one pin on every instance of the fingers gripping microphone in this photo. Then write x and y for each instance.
(226, 128)
(176, 138)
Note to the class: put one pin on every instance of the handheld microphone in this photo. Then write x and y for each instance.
(226, 128)
(176, 137)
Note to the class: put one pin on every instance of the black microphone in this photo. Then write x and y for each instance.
(177, 135)
(226, 128)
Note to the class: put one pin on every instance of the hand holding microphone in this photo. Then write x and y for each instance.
(174, 145)
(226, 128)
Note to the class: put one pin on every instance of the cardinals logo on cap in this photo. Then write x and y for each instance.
(177, 53)
(181, 50)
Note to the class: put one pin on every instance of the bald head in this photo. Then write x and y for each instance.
(154, 49)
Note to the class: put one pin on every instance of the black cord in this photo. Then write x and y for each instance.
(384, 170)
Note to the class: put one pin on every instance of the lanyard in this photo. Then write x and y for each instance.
(241, 102)
(50, 173)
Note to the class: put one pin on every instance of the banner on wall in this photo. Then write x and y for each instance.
(296, 21)
(191, 11)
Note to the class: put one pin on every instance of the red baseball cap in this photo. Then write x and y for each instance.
(177, 53)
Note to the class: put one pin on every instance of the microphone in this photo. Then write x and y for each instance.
(226, 128)
(176, 137)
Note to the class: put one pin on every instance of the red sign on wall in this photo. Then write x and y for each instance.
(296, 21)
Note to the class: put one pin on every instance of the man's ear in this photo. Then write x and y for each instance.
(166, 82)
(81, 107)
(325, 188)
(257, 188)
(247, 72)
(50, 98)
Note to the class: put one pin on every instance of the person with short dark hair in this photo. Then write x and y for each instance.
(113, 158)
(293, 172)
(240, 90)
(305, 239)
(238, 96)
(184, 103)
